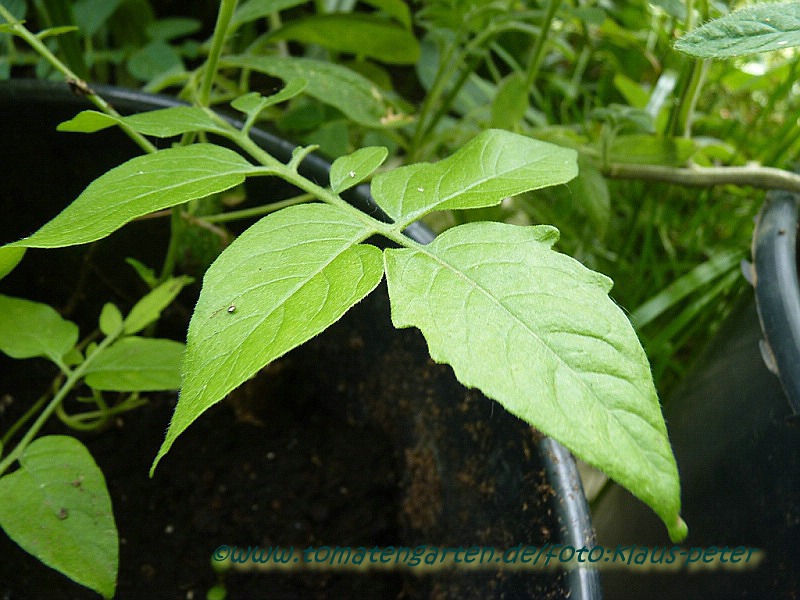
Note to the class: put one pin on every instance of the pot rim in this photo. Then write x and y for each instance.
(777, 291)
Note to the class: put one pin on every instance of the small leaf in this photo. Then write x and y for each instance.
(353, 94)
(510, 102)
(30, 329)
(172, 28)
(57, 508)
(759, 28)
(493, 166)
(90, 15)
(148, 309)
(110, 320)
(140, 186)
(144, 272)
(54, 31)
(135, 364)
(397, 9)
(354, 33)
(9, 259)
(253, 103)
(154, 59)
(282, 282)
(352, 169)
(162, 123)
(536, 331)
(260, 9)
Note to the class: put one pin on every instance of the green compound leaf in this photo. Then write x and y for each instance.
(759, 28)
(165, 122)
(353, 33)
(493, 166)
(29, 329)
(140, 186)
(282, 282)
(344, 89)
(352, 169)
(57, 508)
(536, 331)
(135, 364)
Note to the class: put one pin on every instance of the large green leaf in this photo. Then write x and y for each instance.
(354, 33)
(29, 329)
(758, 28)
(283, 281)
(57, 508)
(135, 364)
(493, 166)
(353, 94)
(536, 331)
(140, 186)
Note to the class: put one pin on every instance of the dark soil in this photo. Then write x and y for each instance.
(353, 440)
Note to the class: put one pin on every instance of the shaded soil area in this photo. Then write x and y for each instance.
(355, 439)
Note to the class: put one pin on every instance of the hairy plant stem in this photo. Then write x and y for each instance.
(79, 84)
(535, 60)
(73, 378)
(203, 99)
(750, 175)
(224, 16)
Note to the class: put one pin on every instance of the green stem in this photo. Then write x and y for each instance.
(24, 419)
(750, 175)
(535, 60)
(226, 9)
(171, 258)
(257, 211)
(34, 42)
(72, 380)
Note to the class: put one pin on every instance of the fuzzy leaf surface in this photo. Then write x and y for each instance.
(352, 169)
(56, 507)
(759, 28)
(493, 166)
(536, 331)
(140, 186)
(29, 329)
(282, 282)
(135, 364)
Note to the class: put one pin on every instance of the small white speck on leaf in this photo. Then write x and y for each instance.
(352, 173)
(419, 189)
(232, 308)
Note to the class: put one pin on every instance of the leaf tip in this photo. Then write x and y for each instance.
(678, 530)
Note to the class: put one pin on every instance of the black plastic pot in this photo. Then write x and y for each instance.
(446, 466)
(736, 441)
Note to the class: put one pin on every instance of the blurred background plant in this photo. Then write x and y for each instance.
(424, 77)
